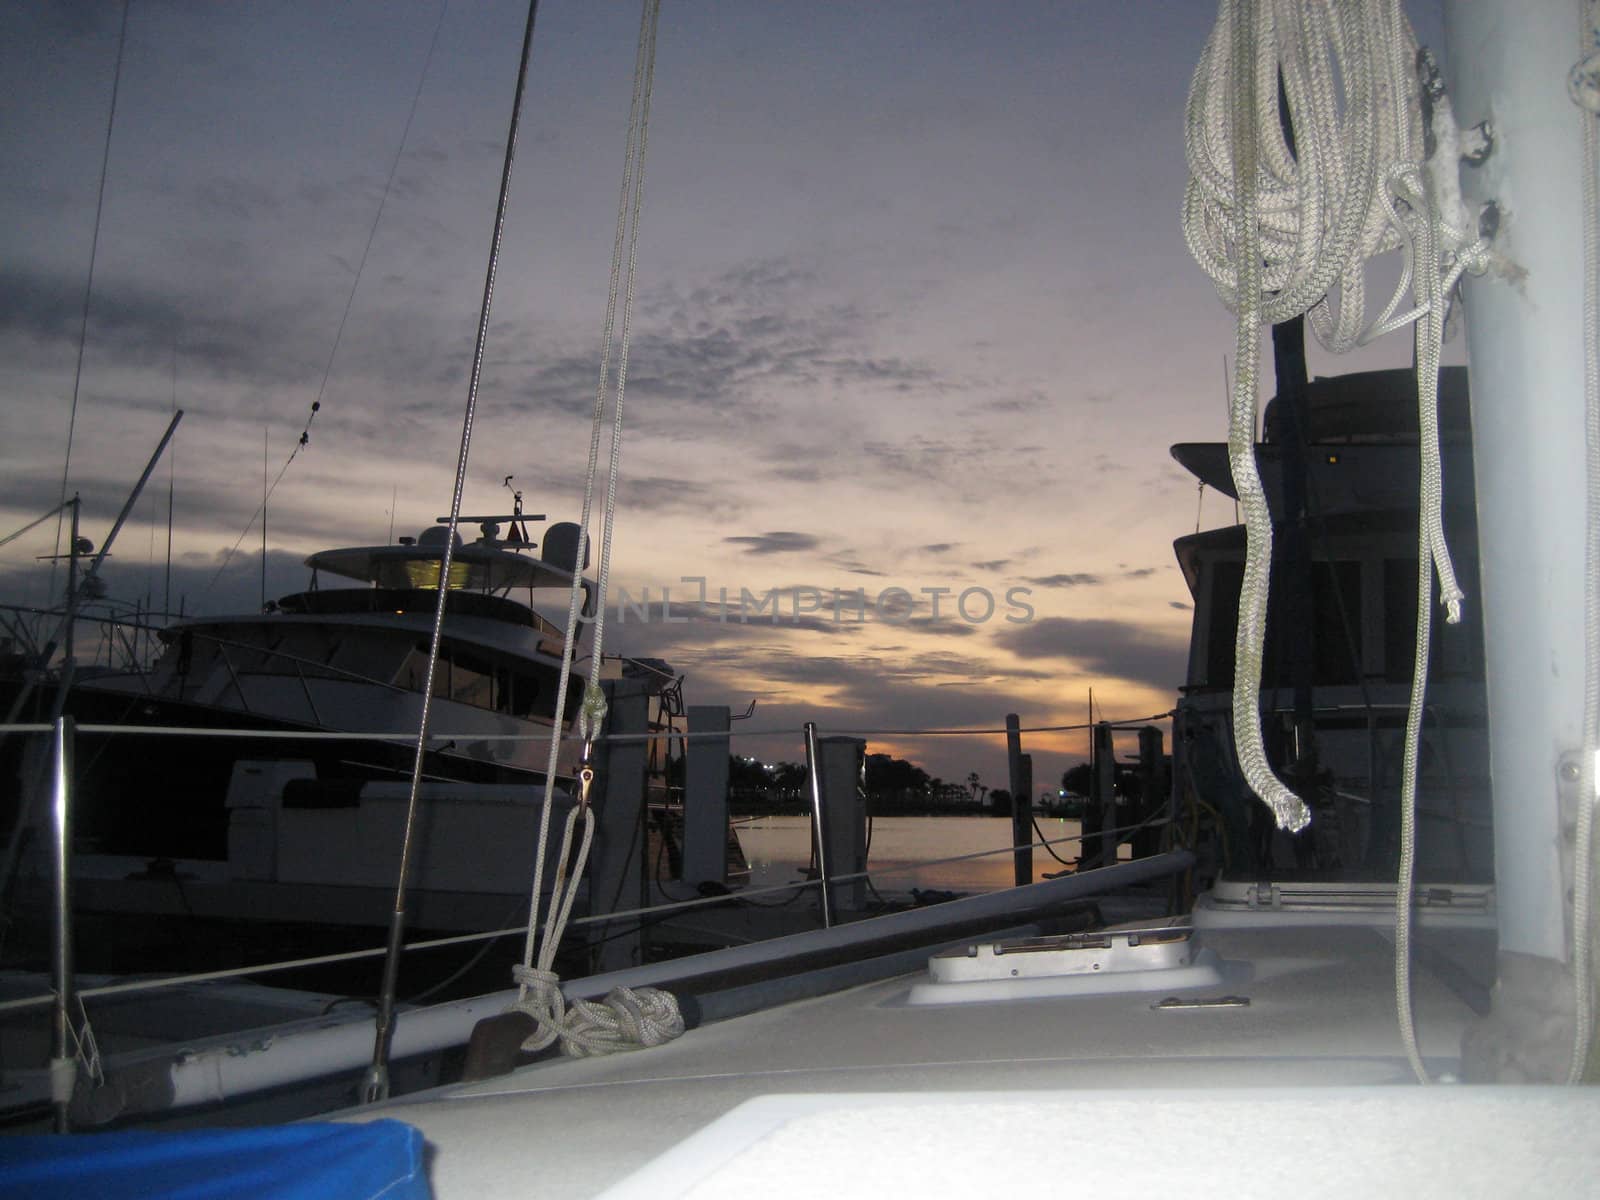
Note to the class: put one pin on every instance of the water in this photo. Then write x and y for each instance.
(779, 849)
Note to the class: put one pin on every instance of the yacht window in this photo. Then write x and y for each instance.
(413, 670)
(1335, 626)
(516, 692)
(1455, 651)
(471, 680)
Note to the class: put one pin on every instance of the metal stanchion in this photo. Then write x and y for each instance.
(63, 1052)
(813, 766)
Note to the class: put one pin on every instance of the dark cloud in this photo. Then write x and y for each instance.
(992, 564)
(1140, 572)
(1015, 405)
(944, 627)
(939, 547)
(1064, 581)
(138, 324)
(779, 541)
(1115, 649)
(855, 566)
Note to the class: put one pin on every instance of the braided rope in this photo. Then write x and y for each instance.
(626, 1019)
(1277, 230)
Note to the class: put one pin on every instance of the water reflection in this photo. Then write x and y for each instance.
(779, 849)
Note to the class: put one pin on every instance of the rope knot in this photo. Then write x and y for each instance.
(534, 980)
(593, 711)
(625, 1020)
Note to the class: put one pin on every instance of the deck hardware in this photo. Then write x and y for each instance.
(1175, 1002)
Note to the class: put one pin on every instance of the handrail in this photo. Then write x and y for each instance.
(486, 736)
(149, 985)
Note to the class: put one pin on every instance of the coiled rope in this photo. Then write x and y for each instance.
(1277, 229)
(627, 1018)
(1280, 230)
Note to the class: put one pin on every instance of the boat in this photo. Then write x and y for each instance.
(1336, 683)
(1415, 1042)
(253, 779)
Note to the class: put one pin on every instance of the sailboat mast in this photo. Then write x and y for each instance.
(1508, 60)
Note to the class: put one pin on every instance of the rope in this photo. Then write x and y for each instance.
(1275, 235)
(1288, 809)
(1584, 86)
(625, 1019)
(1277, 228)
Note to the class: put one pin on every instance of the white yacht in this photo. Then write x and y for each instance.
(220, 783)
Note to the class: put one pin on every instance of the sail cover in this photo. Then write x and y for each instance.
(325, 1160)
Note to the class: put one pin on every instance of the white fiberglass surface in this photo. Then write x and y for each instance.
(1320, 1013)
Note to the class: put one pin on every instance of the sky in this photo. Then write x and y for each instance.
(914, 312)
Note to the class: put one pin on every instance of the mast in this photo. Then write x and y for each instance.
(1509, 60)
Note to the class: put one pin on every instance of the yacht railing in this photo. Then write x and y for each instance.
(65, 731)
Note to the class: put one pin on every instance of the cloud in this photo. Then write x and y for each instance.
(992, 564)
(1064, 581)
(1116, 649)
(939, 547)
(779, 541)
(854, 566)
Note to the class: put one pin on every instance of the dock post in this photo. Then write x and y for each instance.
(1100, 813)
(1152, 796)
(616, 860)
(842, 837)
(1020, 776)
(705, 796)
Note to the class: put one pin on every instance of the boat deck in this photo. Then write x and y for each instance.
(1321, 1014)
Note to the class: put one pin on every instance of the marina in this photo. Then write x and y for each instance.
(747, 893)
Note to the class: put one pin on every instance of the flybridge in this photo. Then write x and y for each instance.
(485, 565)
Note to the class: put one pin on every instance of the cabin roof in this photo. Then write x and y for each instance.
(473, 566)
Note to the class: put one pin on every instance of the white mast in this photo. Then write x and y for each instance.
(1508, 64)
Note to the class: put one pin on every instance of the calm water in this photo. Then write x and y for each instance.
(779, 848)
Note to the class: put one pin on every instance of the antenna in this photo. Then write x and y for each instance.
(172, 469)
(519, 528)
(265, 492)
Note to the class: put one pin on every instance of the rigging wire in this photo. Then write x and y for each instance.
(301, 443)
(375, 1085)
(350, 299)
(626, 1018)
(88, 285)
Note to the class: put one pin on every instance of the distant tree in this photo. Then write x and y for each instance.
(1078, 779)
(887, 774)
(790, 780)
(1000, 800)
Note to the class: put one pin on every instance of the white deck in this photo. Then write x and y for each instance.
(1321, 1015)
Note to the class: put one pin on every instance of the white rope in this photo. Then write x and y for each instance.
(1584, 86)
(1290, 811)
(626, 1019)
(1276, 235)
(1279, 231)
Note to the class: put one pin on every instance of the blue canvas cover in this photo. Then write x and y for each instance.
(325, 1160)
